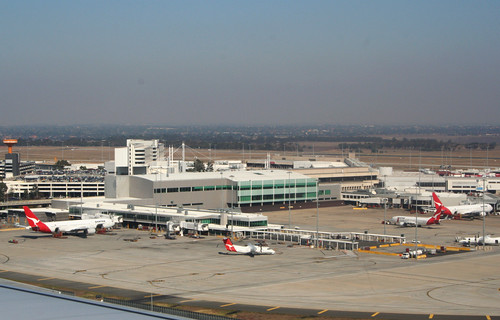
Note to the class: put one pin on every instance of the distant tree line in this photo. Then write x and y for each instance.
(416, 144)
(276, 138)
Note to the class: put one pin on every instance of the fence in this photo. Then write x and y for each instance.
(174, 313)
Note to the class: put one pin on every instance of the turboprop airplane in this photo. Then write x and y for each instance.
(407, 221)
(249, 249)
(470, 210)
(489, 240)
(87, 226)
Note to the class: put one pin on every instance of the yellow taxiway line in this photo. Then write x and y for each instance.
(227, 305)
(12, 229)
(323, 311)
(375, 314)
(96, 287)
(43, 279)
(271, 309)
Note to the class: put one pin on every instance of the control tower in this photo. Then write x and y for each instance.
(10, 143)
(12, 161)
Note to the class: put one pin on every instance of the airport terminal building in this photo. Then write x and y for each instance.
(139, 175)
(214, 190)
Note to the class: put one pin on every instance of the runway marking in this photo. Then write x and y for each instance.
(95, 287)
(323, 311)
(271, 309)
(375, 314)
(431, 316)
(43, 279)
(152, 295)
(227, 305)
(187, 300)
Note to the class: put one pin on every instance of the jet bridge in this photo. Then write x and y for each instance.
(327, 240)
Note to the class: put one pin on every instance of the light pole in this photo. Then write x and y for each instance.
(222, 194)
(317, 213)
(289, 196)
(484, 217)
(232, 206)
(416, 229)
(385, 214)
(156, 203)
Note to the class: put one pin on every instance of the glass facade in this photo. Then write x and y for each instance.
(259, 192)
(276, 191)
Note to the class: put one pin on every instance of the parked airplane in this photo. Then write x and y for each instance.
(407, 221)
(87, 226)
(470, 210)
(479, 240)
(249, 249)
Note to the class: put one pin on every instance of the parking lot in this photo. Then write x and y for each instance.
(296, 277)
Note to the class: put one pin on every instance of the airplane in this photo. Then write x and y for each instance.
(407, 221)
(87, 226)
(479, 240)
(249, 249)
(470, 210)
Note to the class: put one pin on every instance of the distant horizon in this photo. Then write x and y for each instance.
(228, 125)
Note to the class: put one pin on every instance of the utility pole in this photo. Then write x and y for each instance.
(385, 214)
(484, 212)
(289, 209)
(317, 213)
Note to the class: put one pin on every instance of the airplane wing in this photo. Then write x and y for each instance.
(253, 248)
(85, 230)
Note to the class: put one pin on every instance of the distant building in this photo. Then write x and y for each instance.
(13, 167)
(136, 157)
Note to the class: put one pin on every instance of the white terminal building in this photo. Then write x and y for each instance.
(140, 176)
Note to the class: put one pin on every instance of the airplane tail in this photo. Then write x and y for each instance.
(229, 245)
(437, 202)
(439, 205)
(436, 217)
(34, 222)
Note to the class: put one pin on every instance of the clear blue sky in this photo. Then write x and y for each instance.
(249, 62)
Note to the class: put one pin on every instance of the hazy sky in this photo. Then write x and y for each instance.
(249, 62)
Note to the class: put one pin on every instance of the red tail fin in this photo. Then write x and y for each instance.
(34, 222)
(439, 205)
(437, 202)
(229, 245)
(435, 218)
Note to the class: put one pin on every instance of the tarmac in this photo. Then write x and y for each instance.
(298, 279)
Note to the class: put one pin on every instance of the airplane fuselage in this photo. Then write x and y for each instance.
(90, 225)
(407, 221)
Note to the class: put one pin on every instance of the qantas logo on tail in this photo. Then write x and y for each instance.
(439, 205)
(437, 202)
(435, 218)
(34, 222)
(229, 245)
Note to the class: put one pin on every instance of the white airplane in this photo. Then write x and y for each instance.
(407, 221)
(249, 249)
(463, 210)
(479, 240)
(87, 226)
